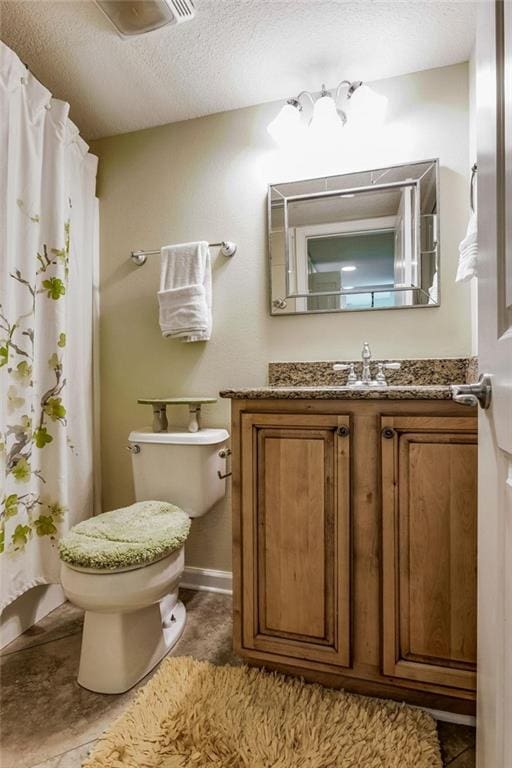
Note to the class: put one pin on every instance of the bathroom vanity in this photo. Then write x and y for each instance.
(354, 518)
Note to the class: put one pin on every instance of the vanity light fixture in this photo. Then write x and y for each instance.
(349, 268)
(327, 119)
(287, 126)
(360, 102)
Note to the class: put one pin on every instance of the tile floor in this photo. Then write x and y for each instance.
(48, 721)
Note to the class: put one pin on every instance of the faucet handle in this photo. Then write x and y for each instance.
(380, 377)
(352, 378)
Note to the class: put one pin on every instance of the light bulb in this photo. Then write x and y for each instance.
(326, 122)
(366, 107)
(287, 126)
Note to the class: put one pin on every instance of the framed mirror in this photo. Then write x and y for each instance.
(358, 241)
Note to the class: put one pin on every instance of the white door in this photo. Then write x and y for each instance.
(494, 100)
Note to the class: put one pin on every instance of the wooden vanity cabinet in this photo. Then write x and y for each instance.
(355, 544)
(429, 475)
(295, 533)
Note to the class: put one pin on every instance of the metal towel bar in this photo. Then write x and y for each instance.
(227, 248)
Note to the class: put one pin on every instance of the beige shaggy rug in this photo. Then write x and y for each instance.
(193, 714)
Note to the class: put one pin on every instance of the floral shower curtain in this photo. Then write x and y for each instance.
(48, 231)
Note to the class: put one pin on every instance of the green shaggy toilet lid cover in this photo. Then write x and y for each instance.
(137, 535)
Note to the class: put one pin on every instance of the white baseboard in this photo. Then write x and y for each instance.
(451, 717)
(28, 609)
(207, 580)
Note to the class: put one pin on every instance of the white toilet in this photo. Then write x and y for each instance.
(132, 614)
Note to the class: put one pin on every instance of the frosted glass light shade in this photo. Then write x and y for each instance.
(366, 106)
(326, 122)
(287, 126)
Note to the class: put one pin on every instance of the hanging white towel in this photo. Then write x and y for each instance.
(468, 252)
(185, 295)
(433, 291)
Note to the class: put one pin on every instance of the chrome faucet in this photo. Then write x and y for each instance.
(366, 376)
(366, 355)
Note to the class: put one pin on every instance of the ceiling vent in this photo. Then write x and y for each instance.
(137, 17)
(183, 9)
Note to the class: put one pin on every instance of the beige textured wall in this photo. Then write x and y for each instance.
(207, 178)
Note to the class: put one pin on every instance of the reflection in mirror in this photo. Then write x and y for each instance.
(358, 241)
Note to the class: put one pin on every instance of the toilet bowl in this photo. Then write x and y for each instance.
(132, 619)
(133, 616)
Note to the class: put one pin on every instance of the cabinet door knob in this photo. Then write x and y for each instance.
(343, 431)
(388, 433)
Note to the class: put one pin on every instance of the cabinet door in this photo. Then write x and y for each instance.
(429, 508)
(295, 536)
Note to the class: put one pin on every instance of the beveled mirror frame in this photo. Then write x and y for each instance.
(351, 184)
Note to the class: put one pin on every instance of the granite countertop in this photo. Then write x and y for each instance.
(410, 392)
(416, 379)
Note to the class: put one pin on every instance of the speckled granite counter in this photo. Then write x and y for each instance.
(435, 392)
(420, 371)
(418, 379)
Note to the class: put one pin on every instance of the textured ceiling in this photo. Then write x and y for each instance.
(234, 53)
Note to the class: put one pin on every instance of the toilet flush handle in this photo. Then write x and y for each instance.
(224, 453)
(133, 448)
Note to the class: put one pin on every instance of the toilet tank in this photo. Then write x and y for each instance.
(180, 467)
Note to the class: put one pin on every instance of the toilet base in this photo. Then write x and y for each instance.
(119, 649)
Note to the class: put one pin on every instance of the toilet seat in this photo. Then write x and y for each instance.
(125, 539)
(119, 569)
(122, 591)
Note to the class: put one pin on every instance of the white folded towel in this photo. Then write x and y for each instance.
(468, 252)
(185, 295)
